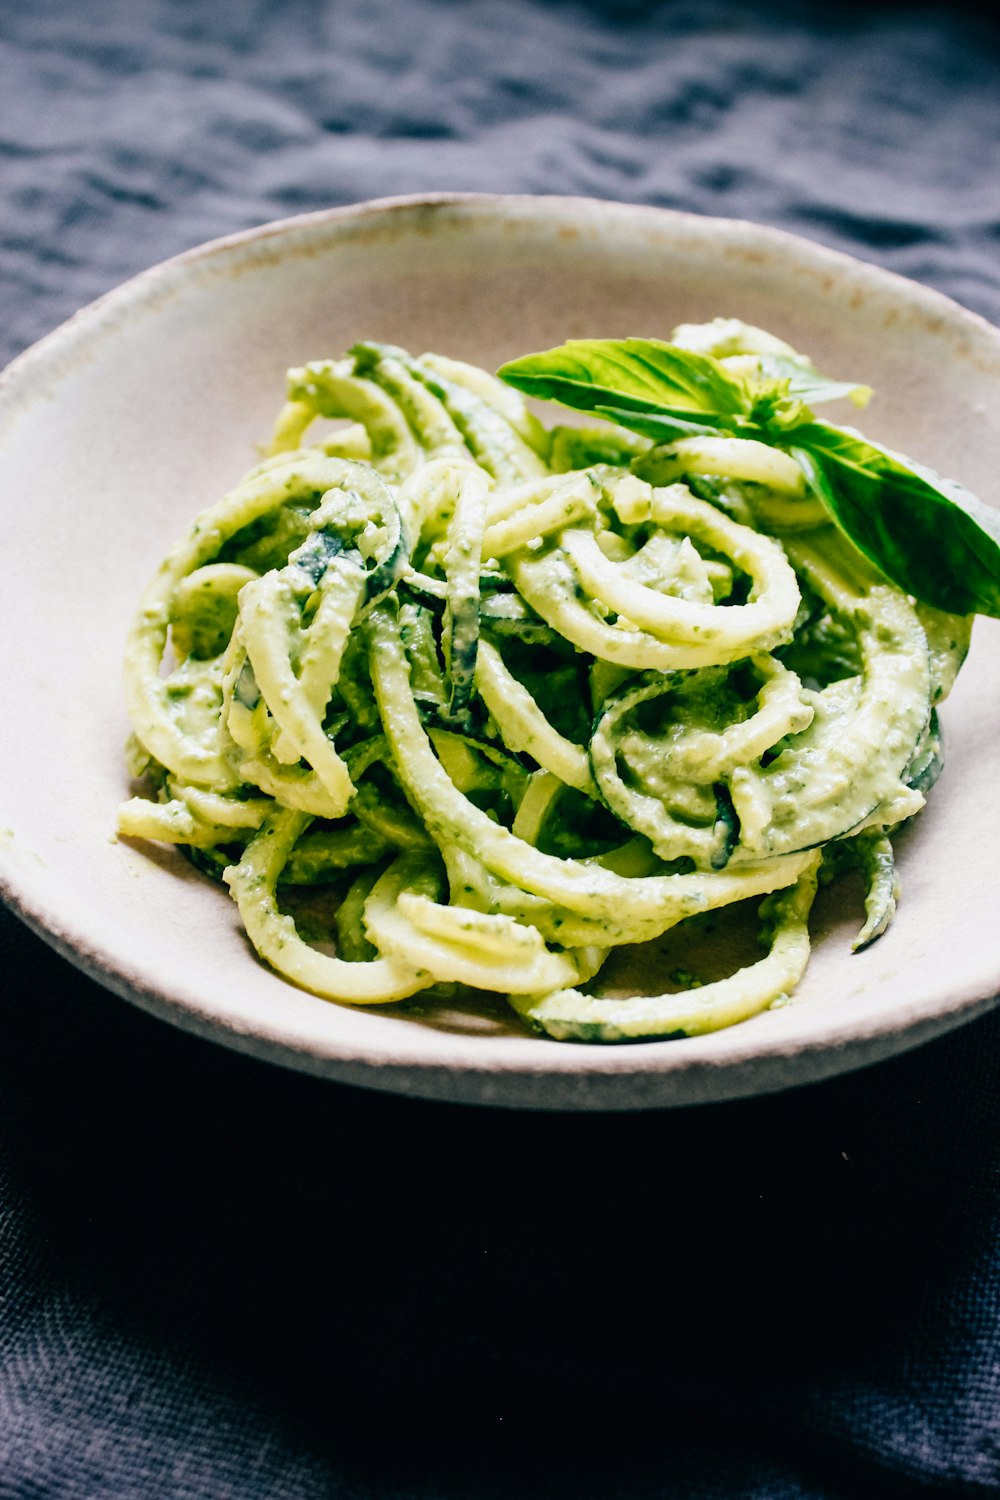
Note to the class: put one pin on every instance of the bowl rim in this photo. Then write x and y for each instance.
(843, 1045)
(917, 292)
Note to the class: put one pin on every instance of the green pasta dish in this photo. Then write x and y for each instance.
(511, 696)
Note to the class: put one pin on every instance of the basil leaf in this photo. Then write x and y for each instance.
(662, 427)
(808, 385)
(652, 375)
(930, 536)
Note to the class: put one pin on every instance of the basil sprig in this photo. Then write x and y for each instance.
(930, 536)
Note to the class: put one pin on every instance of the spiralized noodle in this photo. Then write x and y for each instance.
(514, 706)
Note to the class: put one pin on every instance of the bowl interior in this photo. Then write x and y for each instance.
(116, 430)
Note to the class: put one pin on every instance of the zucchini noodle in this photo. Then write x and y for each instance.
(505, 698)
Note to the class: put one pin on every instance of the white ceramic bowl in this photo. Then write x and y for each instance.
(143, 408)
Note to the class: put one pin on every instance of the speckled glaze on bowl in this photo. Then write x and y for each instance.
(145, 407)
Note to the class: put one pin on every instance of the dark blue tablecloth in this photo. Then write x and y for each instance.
(221, 1280)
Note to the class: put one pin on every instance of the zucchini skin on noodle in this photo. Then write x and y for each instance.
(513, 697)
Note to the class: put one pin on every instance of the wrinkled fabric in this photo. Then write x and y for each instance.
(130, 131)
(219, 1279)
